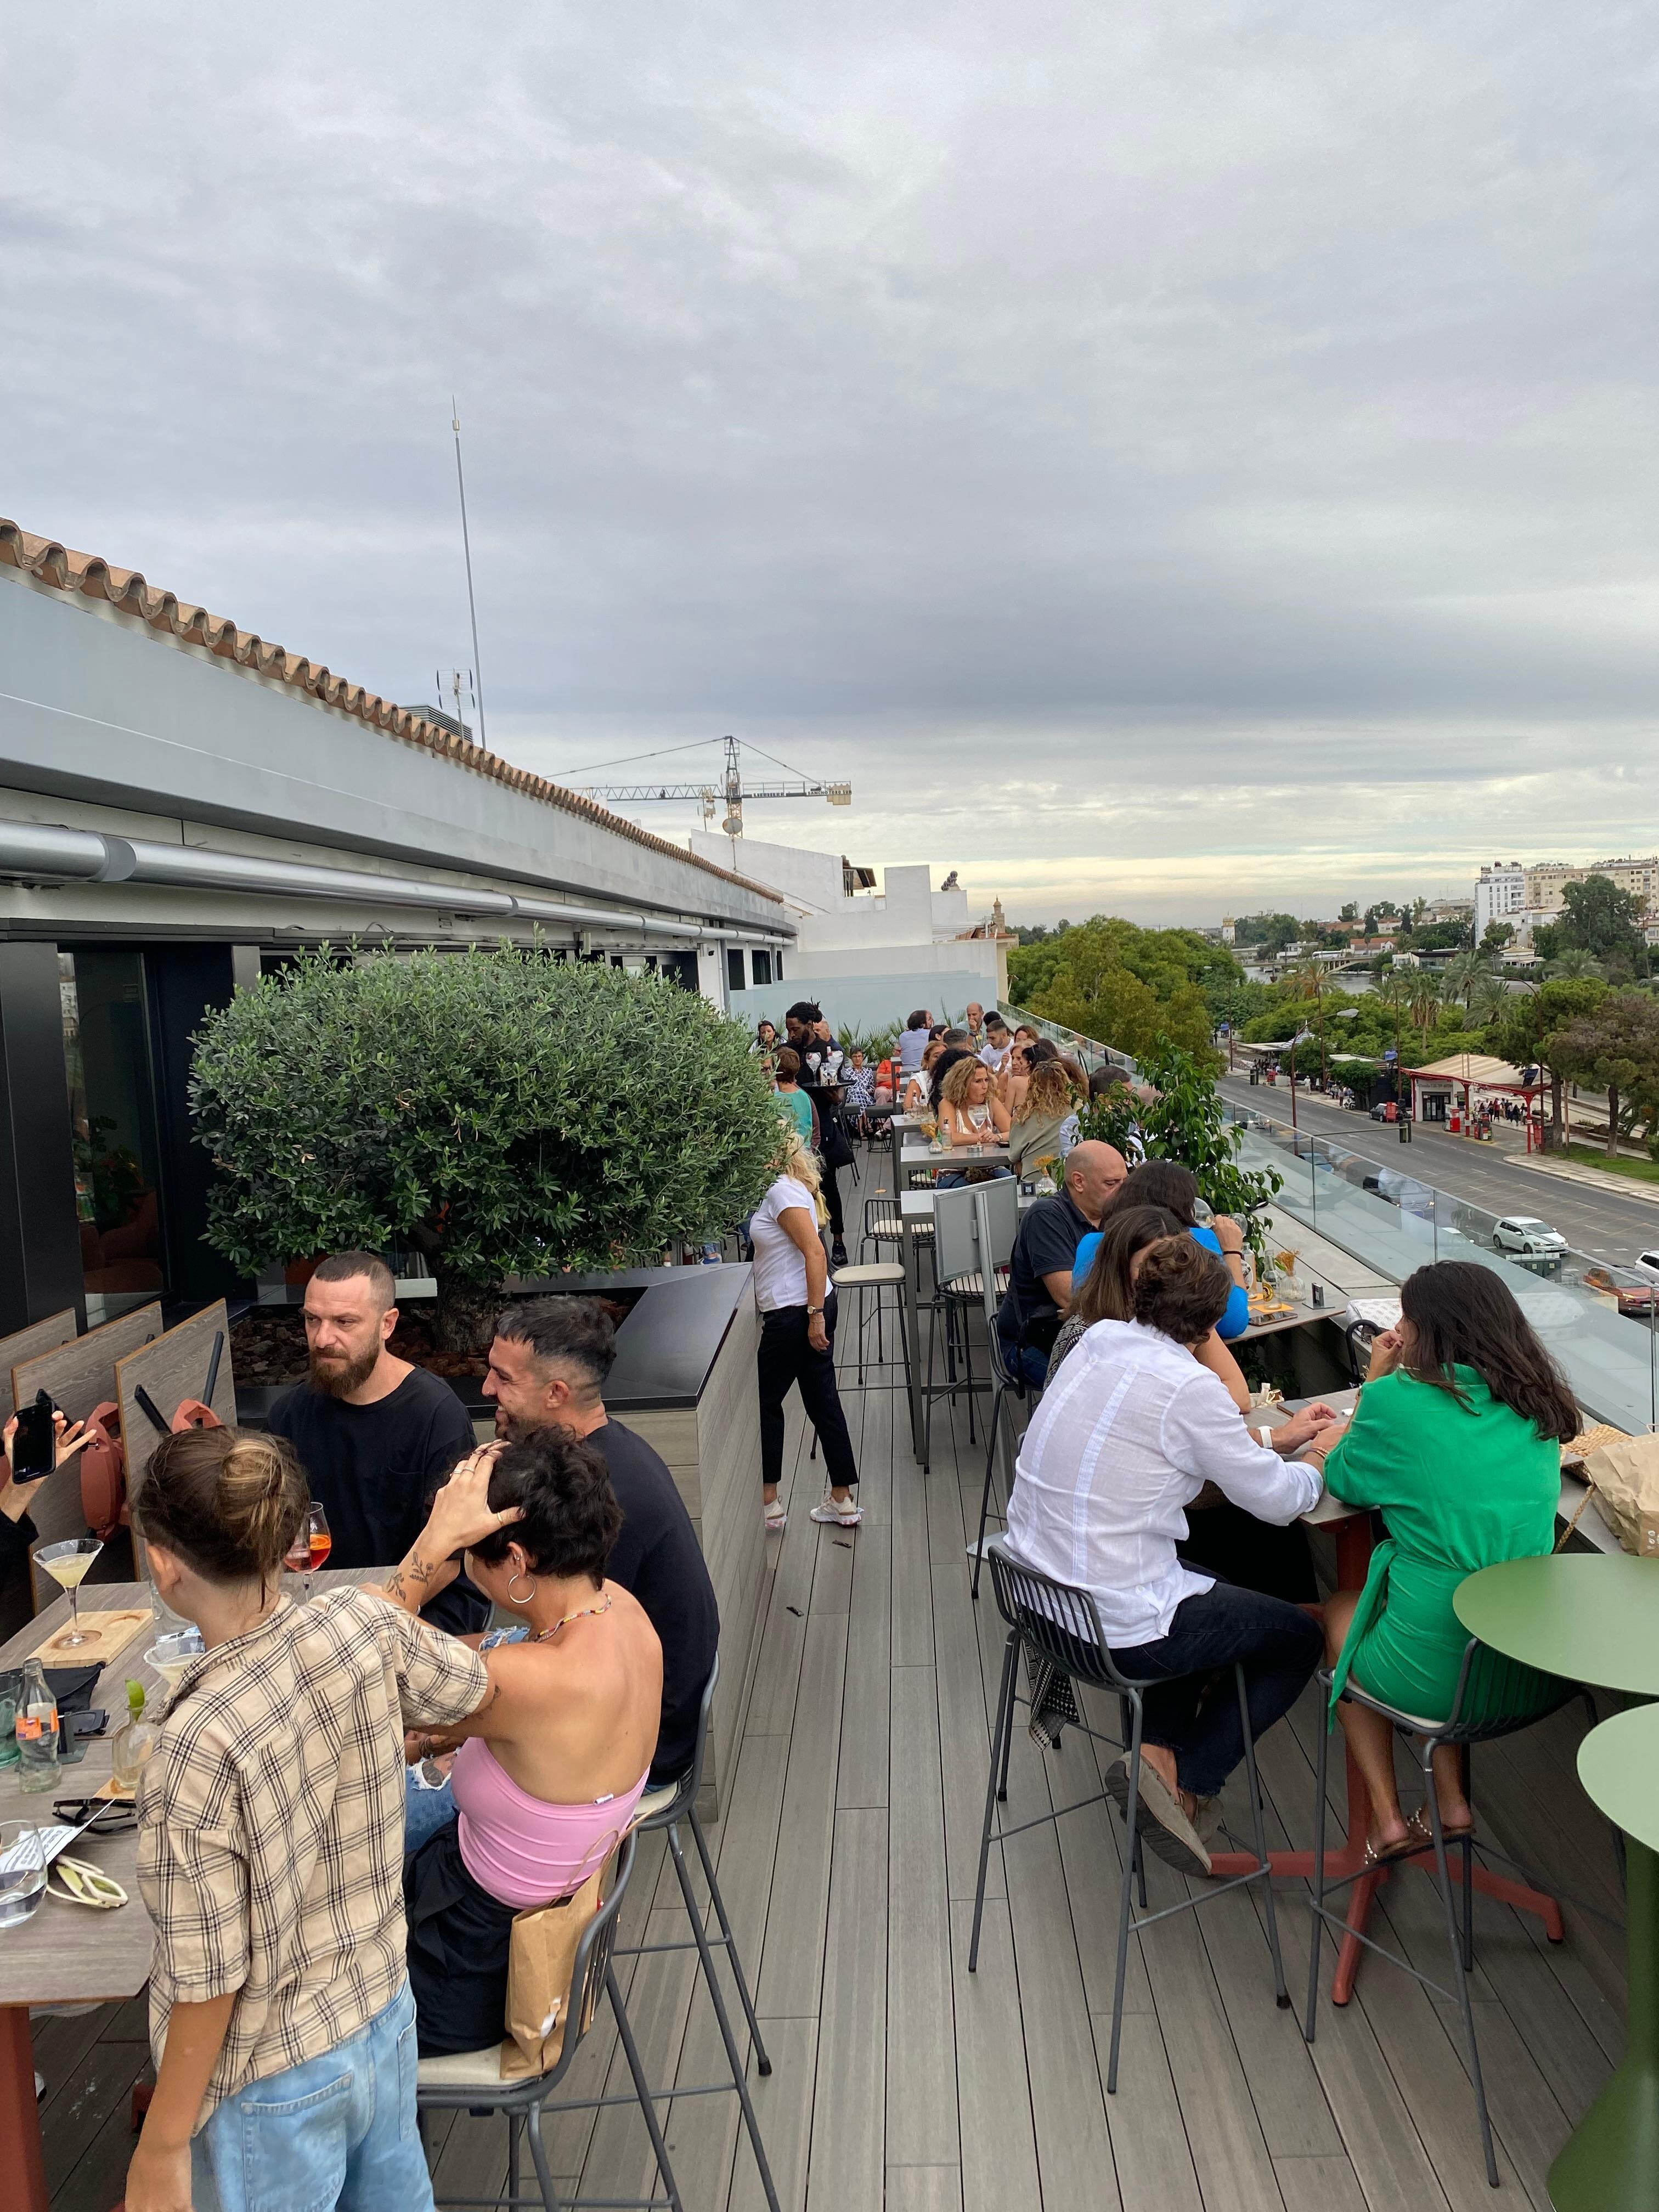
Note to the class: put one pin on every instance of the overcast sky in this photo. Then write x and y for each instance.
(1172, 459)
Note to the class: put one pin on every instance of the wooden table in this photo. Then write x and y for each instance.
(66, 1954)
(1351, 1528)
(1596, 1621)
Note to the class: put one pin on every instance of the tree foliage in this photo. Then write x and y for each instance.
(495, 1110)
(1614, 1047)
(1128, 987)
(1599, 919)
(1186, 1122)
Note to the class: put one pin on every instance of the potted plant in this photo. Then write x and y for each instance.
(501, 1112)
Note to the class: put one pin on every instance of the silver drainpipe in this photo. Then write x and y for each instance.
(34, 852)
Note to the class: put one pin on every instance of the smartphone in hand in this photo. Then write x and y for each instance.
(35, 1447)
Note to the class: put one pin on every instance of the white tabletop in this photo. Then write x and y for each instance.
(918, 1154)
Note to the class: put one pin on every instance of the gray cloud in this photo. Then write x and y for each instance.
(1163, 455)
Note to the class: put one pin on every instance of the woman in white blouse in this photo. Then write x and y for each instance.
(797, 1332)
(1128, 1434)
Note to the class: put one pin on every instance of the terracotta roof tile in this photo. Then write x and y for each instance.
(87, 576)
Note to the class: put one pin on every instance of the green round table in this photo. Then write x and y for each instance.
(1596, 1619)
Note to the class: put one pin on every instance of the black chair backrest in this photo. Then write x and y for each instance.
(1360, 1334)
(1496, 1695)
(1058, 1620)
(593, 1950)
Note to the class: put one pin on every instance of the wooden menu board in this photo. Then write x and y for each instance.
(39, 1336)
(81, 1374)
(173, 1369)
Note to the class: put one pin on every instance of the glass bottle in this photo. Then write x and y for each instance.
(133, 1742)
(37, 1730)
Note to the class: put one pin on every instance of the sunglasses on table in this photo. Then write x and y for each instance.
(97, 1816)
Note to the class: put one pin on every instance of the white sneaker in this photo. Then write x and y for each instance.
(844, 1517)
(777, 1517)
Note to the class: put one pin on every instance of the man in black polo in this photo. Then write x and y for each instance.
(1039, 1272)
(547, 1367)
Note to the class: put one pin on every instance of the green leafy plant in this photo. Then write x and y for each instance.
(1186, 1122)
(499, 1112)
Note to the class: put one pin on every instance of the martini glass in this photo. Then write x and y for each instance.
(67, 1564)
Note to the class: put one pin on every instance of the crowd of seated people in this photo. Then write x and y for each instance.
(1140, 1478)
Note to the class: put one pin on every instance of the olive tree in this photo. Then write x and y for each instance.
(498, 1111)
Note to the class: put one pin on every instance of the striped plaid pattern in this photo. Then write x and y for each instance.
(271, 1825)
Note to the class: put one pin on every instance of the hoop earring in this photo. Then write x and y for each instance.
(510, 1600)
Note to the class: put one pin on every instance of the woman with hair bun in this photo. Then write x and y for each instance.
(271, 1821)
(548, 1770)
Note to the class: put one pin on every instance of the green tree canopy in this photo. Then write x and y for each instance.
(1128, 987)
(1599, 919)
(497, 1111)
(1614, 1047)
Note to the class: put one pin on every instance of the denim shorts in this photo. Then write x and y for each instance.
(337, 2130)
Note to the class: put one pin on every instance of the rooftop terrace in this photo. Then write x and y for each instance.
(848, 1860)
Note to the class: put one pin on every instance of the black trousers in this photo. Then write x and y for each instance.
(786, 1356)
(830, 1179)
(459, 1939)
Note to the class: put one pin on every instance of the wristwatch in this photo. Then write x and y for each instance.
(811, 1310)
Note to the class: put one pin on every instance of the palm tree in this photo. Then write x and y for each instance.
(1574, 967)
(1311, 979)
(1487, 1000)
(1425, 1000)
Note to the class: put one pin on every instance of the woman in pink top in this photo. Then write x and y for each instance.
(552, 1765)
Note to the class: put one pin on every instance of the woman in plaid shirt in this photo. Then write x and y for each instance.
(270, 1855)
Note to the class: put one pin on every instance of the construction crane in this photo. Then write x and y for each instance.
(733, 790)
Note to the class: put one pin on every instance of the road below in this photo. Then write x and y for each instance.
(1593, 1220)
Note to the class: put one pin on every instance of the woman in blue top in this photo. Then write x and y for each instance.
(1222, 1538)
(1166, 1183)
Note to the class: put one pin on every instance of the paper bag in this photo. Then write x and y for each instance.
(1623, 1480)
(541, 1965)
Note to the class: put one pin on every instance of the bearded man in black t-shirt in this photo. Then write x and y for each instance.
(375, 1436)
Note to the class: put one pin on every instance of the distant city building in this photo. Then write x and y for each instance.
(1525, 895)
(1500, 896)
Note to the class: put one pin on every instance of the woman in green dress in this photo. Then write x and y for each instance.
(1456, 1440)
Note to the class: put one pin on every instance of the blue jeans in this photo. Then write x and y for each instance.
(425, 1811)
(953, 1178)
(337, 2130)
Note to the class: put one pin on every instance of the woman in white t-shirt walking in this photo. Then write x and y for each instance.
(798, 1329)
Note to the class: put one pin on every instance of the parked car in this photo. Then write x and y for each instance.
(1637, 1299)
(1524, 1233)
(1648, 1265)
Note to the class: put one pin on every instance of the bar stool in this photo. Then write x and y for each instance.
(1495, 1697)
(877, 1275)
(471, 2081)
(666, 1809)
(1059, 1623)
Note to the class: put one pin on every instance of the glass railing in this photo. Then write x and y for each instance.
(1089, 1050)
(1600, 1320)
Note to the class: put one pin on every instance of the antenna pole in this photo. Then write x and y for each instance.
(467, 548)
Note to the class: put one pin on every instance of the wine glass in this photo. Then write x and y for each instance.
(318, 1543)
(67, 1563)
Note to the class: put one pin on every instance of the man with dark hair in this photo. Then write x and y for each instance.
(1119, 1447)
(547, 1368)
(997, 1047)
(375, 1436)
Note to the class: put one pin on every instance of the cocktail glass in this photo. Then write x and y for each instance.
(67, 1563)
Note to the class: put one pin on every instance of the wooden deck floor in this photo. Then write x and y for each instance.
(848, 1859)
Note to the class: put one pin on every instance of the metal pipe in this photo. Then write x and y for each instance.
(31, 851)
